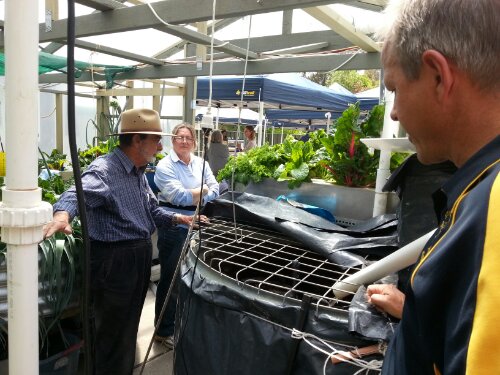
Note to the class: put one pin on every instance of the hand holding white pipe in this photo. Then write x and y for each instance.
(404, 257)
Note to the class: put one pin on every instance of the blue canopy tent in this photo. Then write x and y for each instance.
(232, 116)
(297, 118)
(279, 91)
(230, 120)
(369, 98)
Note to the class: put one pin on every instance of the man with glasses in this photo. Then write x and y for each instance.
(122, 214)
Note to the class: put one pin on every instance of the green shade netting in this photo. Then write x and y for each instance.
(49, 63)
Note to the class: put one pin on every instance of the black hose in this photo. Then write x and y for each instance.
(87, 335)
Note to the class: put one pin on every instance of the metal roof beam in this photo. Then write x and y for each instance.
(102, 5)
(179, 46)
(274, 43)
(173, 11)
(199, 38)
(179, 31)
(321, 63)
(118, 53)
(105, 5)
(339, 24)
(375, 5)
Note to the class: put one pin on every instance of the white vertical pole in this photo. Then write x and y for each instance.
(328, 116)
(22, 213)
(217, 118)
(265, 130)
(384, 171)
(261, 119)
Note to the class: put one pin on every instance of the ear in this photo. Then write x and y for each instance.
(440, 71)
(136, 140)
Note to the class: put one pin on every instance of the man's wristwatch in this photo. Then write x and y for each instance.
(175, 219)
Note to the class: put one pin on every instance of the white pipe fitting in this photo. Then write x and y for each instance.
(404, 257)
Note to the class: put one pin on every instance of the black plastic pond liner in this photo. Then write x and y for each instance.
(366, 320)
(224, 329)
(343, 246)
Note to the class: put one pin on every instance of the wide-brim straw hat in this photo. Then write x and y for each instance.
(140, 121)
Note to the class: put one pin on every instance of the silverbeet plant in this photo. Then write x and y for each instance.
(350, 162)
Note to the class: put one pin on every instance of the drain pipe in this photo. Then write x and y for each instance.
(22, 212)
(384, 166)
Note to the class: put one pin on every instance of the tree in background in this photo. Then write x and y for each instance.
(352, 80)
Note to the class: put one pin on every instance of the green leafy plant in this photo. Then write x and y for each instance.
(53, 187)
(57, 276)
(254, 165)
(85, 157)
(350, 163)
(53, 161)
(106, 124)
(339, 157)
(58, 273)
(297, 167)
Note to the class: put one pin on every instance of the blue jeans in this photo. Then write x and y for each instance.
(170, 242)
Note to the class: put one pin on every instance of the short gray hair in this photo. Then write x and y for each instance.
(188, 126)
(466, 32)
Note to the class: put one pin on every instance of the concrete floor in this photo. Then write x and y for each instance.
(160, 360)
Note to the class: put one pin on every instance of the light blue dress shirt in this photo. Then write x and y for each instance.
(175, 179)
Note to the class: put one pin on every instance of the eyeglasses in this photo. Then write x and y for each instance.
(180, 139)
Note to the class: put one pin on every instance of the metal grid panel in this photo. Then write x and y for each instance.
(269, 261)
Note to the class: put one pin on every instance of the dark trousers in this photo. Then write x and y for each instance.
(120, 273)
(170, 242)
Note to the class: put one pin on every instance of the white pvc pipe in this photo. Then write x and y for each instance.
(22, 229)
(384, 166)
(328, 116)
(404, 257)
(261, 119)
(265, 129)
(217, 118)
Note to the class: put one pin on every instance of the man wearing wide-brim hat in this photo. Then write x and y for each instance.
(122, 214)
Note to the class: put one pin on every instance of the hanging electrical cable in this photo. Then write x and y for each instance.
(87, 335)
(208, 125)
(240, 107)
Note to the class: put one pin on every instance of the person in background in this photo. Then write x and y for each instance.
(224, 136)
(444, 72)
(250, 136)
(179, 179)
(306, 136)
(122, 214)
(218, 152)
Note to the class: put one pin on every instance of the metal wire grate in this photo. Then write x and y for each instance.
(268, 261)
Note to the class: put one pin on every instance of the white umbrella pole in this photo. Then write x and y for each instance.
(22, 213)
(261, 119)
(217, 118)
(384, 166)
(404, 257)
(328, 116)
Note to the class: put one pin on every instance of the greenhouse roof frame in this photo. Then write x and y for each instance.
(289, 52)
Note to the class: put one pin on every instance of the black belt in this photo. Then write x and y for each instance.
(170, 205)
